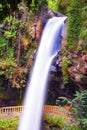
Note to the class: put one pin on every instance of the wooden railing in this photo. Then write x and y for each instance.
(16, 110)
(11, 109)
(50, 109)
(47, 108)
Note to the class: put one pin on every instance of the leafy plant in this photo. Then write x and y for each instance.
(79, 107)
(8, 124)
(65, 63)
(53, 4)
(75, 23)
(3, 42)
(61, 122)
(56, 120)
(71, 126)
(14, 25)
(83, 33)
(62, 6)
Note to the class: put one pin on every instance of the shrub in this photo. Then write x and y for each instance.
(69, 126)
(65, 63)
(60, 122)
(8, 124)
(76, 25)
(80, 108)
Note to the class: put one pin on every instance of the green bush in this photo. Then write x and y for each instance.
(69, 126)
(8, 124)
(56, 120)
(74, 24)
(77, 11)
(83, 33)
(61, 122)
(53, 4)
(65, 63)
(80, 108)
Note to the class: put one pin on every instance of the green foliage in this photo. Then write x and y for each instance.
(61, 122)
(14, 25)
(35, 5)
(53, 4)
(65, 63)
(3, 42)
(9, 51)
(6, 66)
(9, 37)
(56, 120)
(0, 7)
(65, 101)
(4, 48)
(6, 8)
(3, 45)
(14, 51)
(8, 124)
(10, 33)
(74, 24)
(77, 23)
(7, 62)
(80, 108)
(62, 6)
(83, 33)
(84, 123)
(71, 126)
(7, 47)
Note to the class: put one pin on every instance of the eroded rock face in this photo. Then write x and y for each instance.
(78, 69)
(39, 22)
(36, 29)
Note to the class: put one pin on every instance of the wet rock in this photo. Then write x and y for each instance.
(21, 14)
(40, 21)
(56, 63)
(78, 69)
(35, 29)
(32, 30)
(39, 28)
(84, 58)
(33, 55)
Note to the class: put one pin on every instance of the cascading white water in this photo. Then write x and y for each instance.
(50, 44)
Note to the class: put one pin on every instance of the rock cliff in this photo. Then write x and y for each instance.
(76, 69)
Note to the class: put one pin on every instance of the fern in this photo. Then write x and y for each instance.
(3, 42)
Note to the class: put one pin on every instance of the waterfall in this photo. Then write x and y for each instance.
(34, 99)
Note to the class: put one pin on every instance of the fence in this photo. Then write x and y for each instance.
(19, 109)
(16, 110)
(13, 109)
